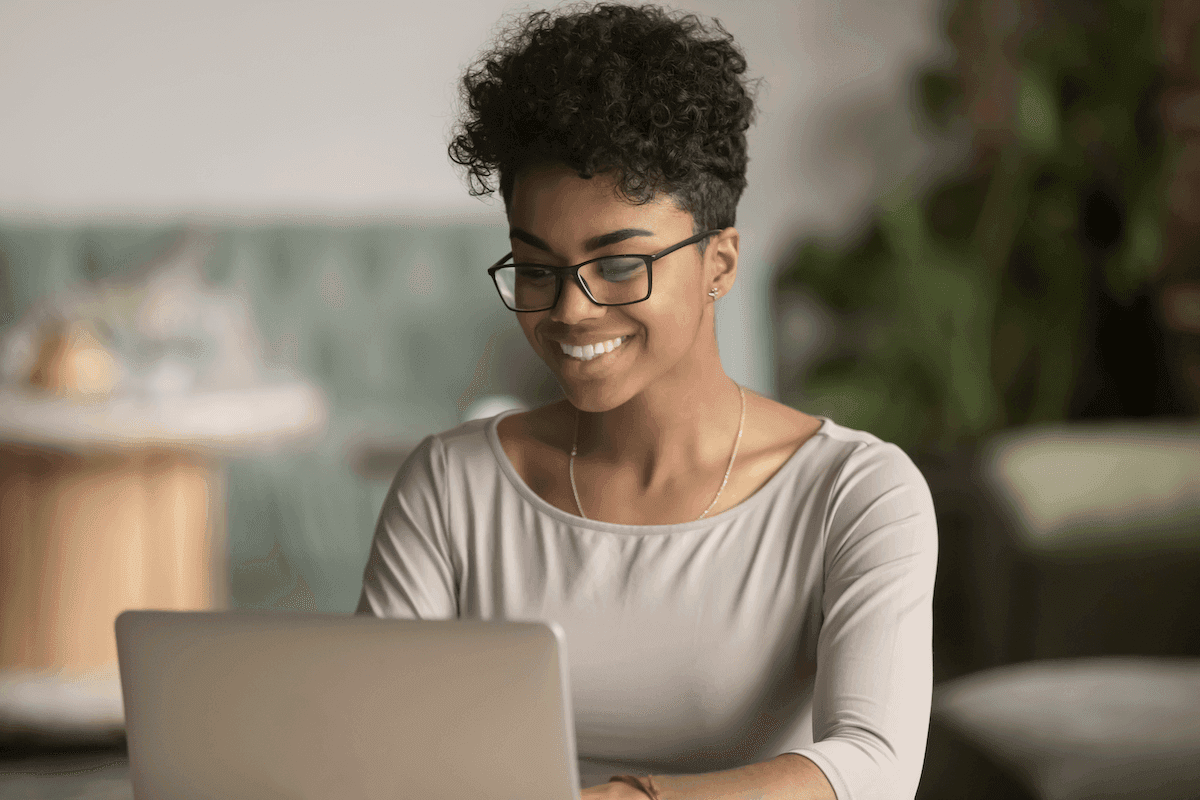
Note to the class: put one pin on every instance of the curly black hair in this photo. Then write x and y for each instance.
(657, 98)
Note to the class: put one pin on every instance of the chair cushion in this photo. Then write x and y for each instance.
(1124, 487)
(1094, 728)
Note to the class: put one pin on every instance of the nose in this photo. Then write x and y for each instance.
(574, 305)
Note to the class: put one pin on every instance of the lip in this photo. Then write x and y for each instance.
(576, 363)
(622, 336)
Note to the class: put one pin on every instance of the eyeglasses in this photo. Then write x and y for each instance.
(607, 281)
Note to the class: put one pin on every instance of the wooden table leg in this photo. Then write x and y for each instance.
(84, 537)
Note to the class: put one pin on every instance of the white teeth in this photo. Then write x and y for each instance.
(589, 351)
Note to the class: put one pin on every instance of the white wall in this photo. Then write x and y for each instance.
(253, 109)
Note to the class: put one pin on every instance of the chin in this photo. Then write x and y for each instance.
(596, 398)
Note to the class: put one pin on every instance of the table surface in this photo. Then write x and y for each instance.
(234, 420)
(80, 774)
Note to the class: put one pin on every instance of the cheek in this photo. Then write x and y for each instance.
(679, 307)
(528, 323)
(671, 326)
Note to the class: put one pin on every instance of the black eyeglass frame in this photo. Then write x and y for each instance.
(560, 273)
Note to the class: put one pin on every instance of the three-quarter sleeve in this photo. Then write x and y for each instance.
(874, 681)
(410, 572)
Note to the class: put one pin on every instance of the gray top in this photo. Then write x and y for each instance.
(799, 620)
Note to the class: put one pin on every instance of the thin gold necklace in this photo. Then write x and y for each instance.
(725, 480)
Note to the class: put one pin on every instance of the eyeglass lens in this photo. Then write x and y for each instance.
(611, 281)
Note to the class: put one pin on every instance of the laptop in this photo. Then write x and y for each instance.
(271, 705)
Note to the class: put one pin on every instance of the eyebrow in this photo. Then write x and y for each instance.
(595, 243)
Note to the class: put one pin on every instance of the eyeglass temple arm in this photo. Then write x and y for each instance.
(684, 243)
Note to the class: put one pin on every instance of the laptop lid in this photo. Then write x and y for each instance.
(266, 705)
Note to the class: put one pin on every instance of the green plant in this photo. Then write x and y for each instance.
(961, 307)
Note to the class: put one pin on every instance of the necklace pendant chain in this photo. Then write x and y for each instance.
(732, 456)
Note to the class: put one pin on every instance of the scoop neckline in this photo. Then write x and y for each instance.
(761, 496)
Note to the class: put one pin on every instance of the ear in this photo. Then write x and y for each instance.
(721, 261)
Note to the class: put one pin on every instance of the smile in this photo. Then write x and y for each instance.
(589, 351)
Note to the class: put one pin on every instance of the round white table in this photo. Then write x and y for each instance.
(107, 505)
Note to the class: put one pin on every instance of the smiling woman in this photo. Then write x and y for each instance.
(746, 589)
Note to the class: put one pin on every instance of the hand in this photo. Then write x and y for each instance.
(612, 791)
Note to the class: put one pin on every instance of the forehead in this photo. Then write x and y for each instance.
(553, 201)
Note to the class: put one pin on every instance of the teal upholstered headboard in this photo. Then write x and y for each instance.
(399, 325)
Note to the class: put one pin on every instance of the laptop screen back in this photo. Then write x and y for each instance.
(272, 705)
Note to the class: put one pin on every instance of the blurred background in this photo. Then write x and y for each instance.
(234, 253)
(307, 144)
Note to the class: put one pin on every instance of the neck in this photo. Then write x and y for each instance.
(684, 421)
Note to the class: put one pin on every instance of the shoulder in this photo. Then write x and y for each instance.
(878, 497)
(465, 445)
(773, 434)
(846, 463)
(864, 458)
(549, 425)
(537, 442)
(468, 437)
(774, 428)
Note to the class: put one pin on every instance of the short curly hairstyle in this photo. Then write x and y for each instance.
(657, 98)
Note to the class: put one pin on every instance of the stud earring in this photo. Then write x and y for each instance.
(713, 294)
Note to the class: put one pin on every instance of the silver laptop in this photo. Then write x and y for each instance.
(271, 705)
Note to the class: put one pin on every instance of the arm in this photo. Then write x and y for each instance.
(409, 572)
(786, 777)
(873, 686)
(874, 681)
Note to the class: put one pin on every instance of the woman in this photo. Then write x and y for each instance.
(745, 589)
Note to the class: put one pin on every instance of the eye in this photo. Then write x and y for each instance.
(531, 273)
(621, 268)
